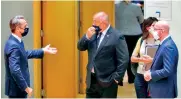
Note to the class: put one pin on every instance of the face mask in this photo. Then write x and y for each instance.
(26, 30)
(155, 34)
(97, 28)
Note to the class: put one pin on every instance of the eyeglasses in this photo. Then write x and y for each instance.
(158, 29)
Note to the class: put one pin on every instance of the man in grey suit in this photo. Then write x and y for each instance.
(128, 19)
(107, 58)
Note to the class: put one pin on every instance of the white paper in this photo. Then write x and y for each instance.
(162, 6)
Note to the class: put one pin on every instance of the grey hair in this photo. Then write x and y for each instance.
(14, 22)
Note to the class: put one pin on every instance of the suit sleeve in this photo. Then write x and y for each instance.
(122, 58)
(140, 16)
(35, 53)
(169, 59)
(14, 66)
(83, 43)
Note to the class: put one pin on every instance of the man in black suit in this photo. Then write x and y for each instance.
(107, 58)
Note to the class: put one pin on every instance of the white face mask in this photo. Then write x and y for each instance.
(155, 34)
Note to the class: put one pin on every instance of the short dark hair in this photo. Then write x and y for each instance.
(146, 23)
(14, 22)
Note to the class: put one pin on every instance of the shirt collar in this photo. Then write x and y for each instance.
(105, 31)
(164, 39)
(18, 38)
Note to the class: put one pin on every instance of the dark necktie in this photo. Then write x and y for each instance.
(97, 43)
(98, 38)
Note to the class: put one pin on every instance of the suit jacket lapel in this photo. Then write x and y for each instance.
(105, 39)
(159, 49)
(22, 49)
(156, 54)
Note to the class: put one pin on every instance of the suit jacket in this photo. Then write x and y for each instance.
(110, 60)
(128, 18)
(16, 63)
(164, 71)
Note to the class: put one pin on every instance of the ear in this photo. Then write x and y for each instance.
(16, 28)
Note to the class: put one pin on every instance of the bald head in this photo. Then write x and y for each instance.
(101, 16)
(162, 29)
(162, 25)
(101, 19)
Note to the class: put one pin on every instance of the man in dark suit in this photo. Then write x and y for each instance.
(162, 76)
(17, 77)
(107, 58)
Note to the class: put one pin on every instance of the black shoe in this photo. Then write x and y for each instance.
(130, 81)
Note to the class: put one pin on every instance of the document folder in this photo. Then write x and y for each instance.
(151, 51)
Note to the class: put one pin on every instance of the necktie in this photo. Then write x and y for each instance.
(98, 38)
(97, 44)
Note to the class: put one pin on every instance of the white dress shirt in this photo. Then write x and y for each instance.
(164, 39)
(103, 34)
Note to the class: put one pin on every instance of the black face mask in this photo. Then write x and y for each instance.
(26, 30)
(97, 28)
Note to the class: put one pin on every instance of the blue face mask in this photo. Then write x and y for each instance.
(26, 30)
(97, 28)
